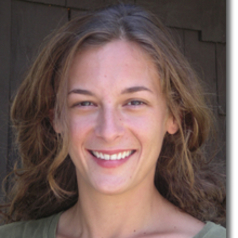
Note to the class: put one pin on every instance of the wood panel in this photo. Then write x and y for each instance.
(92, 4)
(201, 55)
(207, 16)
(178, 35)
(159, 8)
(85, 5)
(74, 13)
(5, 50)
(184, 14)
(110, 2)
(213, 22)
(31, 24)
(221, 77)
(54, 2)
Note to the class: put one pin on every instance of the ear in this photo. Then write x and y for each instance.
(55, 125)
(172, 125)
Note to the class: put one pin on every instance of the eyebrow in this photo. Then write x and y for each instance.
(81, 91)
(125, 91)
(135, 89)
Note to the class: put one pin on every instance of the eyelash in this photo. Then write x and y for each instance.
(135, 103)
(131, 103)
(84, 104)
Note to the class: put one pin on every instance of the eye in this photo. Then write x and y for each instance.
(135, 103)
(84, 104)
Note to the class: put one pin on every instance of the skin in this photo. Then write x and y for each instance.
(115, 104)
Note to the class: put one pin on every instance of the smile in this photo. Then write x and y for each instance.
(117, 156)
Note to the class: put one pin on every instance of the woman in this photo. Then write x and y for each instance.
(111, 136)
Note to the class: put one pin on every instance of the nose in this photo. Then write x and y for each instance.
(109, 125)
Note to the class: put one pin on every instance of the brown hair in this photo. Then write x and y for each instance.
(46, 182)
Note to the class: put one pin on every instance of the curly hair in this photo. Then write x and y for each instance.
(45, 183)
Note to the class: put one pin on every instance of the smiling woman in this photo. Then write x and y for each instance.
(112, 132)
(122, 119)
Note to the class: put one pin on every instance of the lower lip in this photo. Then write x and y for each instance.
(110, 163)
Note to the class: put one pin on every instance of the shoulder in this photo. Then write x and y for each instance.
(44, 227)
(211, 230)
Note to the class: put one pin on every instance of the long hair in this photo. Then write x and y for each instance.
(45, 183)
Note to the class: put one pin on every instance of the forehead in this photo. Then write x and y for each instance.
(118, 59)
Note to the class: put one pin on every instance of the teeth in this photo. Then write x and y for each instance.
(107, 157)
(96, 154)
(113, 157)
(121, 155)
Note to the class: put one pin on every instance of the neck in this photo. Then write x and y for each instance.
(121, 215)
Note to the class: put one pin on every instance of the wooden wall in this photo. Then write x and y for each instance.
(199, 27)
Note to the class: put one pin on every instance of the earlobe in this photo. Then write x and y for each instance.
(55, 125)
(172, 126)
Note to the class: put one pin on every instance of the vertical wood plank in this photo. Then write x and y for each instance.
(221, 91)
(213, 20)
(31, 24)
(178, 35)
(221, 77)
(201, 55)
(5, 51)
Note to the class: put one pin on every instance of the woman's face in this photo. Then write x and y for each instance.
(117, 117)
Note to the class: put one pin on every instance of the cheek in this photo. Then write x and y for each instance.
(149, 128)
(78, 128)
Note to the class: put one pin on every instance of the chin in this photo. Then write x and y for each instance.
(112, 185)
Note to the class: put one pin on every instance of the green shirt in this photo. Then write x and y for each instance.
(46, 228)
